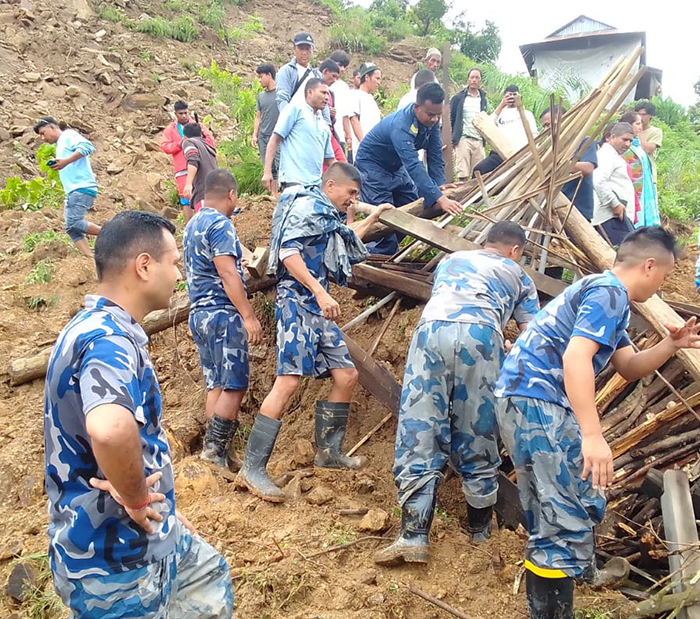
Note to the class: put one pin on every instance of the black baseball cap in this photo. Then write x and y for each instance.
(43, 122)
(303, 38)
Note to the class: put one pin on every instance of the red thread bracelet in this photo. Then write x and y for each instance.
(138, 508)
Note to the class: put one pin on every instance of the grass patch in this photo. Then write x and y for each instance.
(41, 273)
(42, 601)
(31, 241)
(38, 303)
(181, 29)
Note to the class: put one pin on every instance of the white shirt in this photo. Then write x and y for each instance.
(612, 186)
(413, 80)
(512, 127)
(408, 99)
(364, 106)
(341, 92)
(300, 96)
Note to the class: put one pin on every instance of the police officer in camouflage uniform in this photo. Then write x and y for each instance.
(118, 547)
(309, 244)
(447, 406)
(222, 320)
(548, 418)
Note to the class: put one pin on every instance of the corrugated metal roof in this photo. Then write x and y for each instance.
(580, 25)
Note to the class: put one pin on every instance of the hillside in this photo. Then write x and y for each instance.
(86, 65)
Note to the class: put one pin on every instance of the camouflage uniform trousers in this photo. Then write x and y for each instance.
(544, 441)
(448, 410)
(308, 344)
(222, 343)
(192, 583)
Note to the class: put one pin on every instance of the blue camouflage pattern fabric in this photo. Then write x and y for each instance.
(209, 234)
(100, 358)
(447, 410)
(481, 287)
(222, 343)
(191, 583)
(544, 441)
(306, 220)
(595, 307)
(308, 344)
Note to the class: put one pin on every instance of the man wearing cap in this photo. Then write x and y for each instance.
(292, 77)
(304, 138)
(365, 112)
(388, 159)
(432, 62)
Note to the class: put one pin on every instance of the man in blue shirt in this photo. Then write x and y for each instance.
(548, 419)
(388, 159)
(73, 166)
(118, 546)
(222, 320)
(309, 245)
(447, 404)
(578, 191)
(304, 139)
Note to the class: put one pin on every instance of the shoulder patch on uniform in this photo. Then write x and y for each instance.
(414, 129)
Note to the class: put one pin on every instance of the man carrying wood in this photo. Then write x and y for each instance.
(388, 159)
(222, 320)
(447, 404)
(309, 245)
(548, 419)
(118, 546)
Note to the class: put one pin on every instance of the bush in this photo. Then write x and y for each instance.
(356, 33)
(181, 29)
(37, 193)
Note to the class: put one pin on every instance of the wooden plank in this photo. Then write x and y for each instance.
(428, 232)
(446, 129)
(376, 379)
(393, 281)
(657, 313)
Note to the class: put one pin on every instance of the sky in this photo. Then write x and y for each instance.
(671, 27)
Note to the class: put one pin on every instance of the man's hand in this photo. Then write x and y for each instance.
(451, 207)
(619, 211)
(187, 191)
(142, 517)
(686, 336)
(187, 524)
(597, 460)
(348, 141)
(254, 330)
(254, 141)
(450, 186)
(374, 215)
(267, 181)
(329, 306)
(332, 111)
(59, 164)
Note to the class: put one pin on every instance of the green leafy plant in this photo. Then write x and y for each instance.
(31, 241)
(41, 272)
(211, 15)
(356, 33)
(37, 193)
(181, 29)
(39, 303)
(42, 601)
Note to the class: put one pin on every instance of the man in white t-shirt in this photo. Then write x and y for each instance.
(342, 99)
(365, 112)
(424, 76)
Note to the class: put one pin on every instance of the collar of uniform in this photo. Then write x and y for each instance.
(120, 315)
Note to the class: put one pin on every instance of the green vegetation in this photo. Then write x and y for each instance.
(238, 153)
(42, 601)
(181, 29)
(39, 303)
(37, 193)
(41, 273)
(31, 241)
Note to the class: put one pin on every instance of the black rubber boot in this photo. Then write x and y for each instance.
(549, 598)
(613, 574)
(253, 474)
(479, 523)
(217, 440)
(413, 543)
(331, 422)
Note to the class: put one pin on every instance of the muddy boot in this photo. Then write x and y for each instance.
(331, 422)
(613, 574)
(479, 523)
(253, 474)
(549, 598)
(413, 543)
(217, 440)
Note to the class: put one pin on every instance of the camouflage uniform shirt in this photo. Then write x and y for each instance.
(481, 287)
(100, 358)
(209, 234)
(595, 307)
(311, 249)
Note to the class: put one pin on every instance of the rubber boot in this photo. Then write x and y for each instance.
(549, 598)
(413, 543)
(331, 422)
(613, 574)
(217, 440)
(253, 474)
(479, 523)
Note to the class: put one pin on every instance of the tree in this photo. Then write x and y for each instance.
(427, 16)
(482, 46)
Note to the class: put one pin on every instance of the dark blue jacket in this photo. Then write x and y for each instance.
(394, 143)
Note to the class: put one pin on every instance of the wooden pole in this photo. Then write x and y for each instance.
(446, 121)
